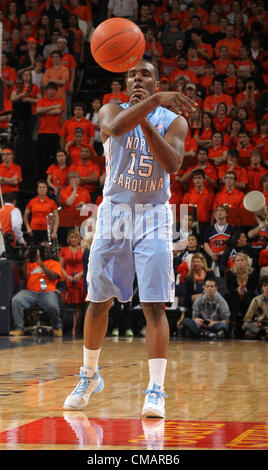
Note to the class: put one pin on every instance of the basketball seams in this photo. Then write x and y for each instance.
(122, 55)
(113, 37)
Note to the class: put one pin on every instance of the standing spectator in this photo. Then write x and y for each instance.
(58, 74)
(78, 121)
(10, 172)
(217, 236)
(70, 258)
(73, 147)
(217, 153)
(182, 70)
(145, 19)
(222, 62)
(93, 117)
(211, 102)
(37, 209)
(210, 315)
(260, 140)
(84, 15)
(249, 125)
(11, 219)
(78, 47)
(73, 197)
(244, 147)
(221, 120)
(128, 9)
(255, 322)
(201, 197)
(49, 110)
(54, 9)
(241, 286)
(117, 95)
(204, 135)
(88, 170)
(248, 98)
(57, 173)
(211, 177)
(255, 171)
(9, 75)
(68, 61)
(231, 42)
(229, 195)
(241, 181)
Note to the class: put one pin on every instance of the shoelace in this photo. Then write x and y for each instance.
(83, 384)
(154, 395)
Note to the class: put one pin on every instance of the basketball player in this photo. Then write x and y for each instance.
(143, 143)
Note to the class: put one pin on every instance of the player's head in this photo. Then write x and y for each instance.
(143, 75)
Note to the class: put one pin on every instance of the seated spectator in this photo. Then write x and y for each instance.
(190, 145)
(73, 197)
(255, 322)
(204, 135)
(264, 187)
(209, 170)
(182, 70)
(171, 32)
(70, 258)
(50, 110)
(41, 274)
(222, 62)
(255, 171)
(238, 243)
(37, 210)
(10, 172)
(200, 197)
(244, 147)
(206, 81)
(117, 95)
(9, 75)
(230, 80)
(73, 147)
(194, 282)
(231, 138)
(11, 219)
(93, 117)
(229, 195)
(248, 98)
(217, 153)
(258, 237)
(249, 125)
(78, 121)
(260, 140)
(186, 228)
(211, 102)
(217, 236)
(210, 314)
(241, 282)
(204, 49)
(153, 48)
(232, 165)
(195, 119)
(220, 120)
(190, 91)
(195, 63)
(57, 173)
(244, 63)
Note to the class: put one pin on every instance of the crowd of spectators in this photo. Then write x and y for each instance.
(213, 51)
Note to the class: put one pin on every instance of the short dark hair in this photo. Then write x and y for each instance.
(199, 173)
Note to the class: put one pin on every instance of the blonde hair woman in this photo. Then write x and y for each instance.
(241, 283)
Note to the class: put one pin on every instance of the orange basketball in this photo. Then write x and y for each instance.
(117, 44)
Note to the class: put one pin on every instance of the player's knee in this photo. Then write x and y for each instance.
(99, 308)
(153, 311)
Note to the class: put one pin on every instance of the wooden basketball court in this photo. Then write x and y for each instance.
(217, 396)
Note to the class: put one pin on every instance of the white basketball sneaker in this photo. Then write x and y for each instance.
(154, 403)
(78, 399)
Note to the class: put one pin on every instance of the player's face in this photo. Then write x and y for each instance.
(142, 76)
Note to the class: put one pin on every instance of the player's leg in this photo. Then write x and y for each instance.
(154, 268)
(90, 380)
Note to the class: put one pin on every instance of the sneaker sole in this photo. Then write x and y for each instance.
(152, 413)
(98, 389)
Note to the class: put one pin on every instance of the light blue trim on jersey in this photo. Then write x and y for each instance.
(132, 174)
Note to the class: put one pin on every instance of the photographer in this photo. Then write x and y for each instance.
(255, 324)
(11, 219)
(210, 313)
(42, 274)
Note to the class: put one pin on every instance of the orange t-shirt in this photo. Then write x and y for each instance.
(233, 198)
(70, 125)
(82, 195)
(59, 73)
(232, 45)
(222, 125)
(86, 170)
(254, 177)
(39, 210)
(35, 273)
(211, 102)
(8, 74)
(59, 175)
(221, 65)
(8, 172)
(118, 98)
(50, 124)
(189, 75)
(203, 200)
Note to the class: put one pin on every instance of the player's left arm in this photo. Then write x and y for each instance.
(168, 151)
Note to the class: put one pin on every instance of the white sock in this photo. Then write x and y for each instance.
(157, 371)
(91, 359)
